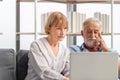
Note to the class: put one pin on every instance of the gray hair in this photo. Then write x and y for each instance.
(91, 21)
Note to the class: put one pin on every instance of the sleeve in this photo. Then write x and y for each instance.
(112, 50)
(66, 70)
(40, 65)
(74, 48)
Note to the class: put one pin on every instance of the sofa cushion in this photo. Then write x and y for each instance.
(7, 64)
(22, 64)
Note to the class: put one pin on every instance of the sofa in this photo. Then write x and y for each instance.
(21, 64)
(13, 66)
(7, 64)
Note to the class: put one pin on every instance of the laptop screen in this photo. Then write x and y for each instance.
(94, 66)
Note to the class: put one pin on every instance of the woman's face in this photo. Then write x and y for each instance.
(58, 32)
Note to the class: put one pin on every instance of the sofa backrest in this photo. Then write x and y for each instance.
(22, 64)
(7, 64)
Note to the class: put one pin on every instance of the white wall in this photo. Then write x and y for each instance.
(27, 18)
(7, 23)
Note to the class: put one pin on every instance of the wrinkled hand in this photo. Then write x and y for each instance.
(103, 46)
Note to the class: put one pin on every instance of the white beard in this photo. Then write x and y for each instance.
(90, 42)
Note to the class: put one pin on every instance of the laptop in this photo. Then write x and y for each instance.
(94, 66)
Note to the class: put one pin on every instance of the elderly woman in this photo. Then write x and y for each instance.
(48, 58)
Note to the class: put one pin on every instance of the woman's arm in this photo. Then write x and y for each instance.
(66, 70)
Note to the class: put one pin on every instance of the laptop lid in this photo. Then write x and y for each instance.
(94, 66)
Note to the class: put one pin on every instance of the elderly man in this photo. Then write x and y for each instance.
(93, 41)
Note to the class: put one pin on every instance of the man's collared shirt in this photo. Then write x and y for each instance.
(81, 48)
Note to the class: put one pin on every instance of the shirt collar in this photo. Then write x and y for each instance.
(83, 49)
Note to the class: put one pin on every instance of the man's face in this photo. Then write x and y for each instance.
(90, 33)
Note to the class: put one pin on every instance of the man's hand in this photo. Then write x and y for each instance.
(103, 46)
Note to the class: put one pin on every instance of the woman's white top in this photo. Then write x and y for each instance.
(44, 65)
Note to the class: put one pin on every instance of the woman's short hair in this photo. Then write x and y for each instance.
(54, 19)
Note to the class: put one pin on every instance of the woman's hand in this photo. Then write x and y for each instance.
(66, 78)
